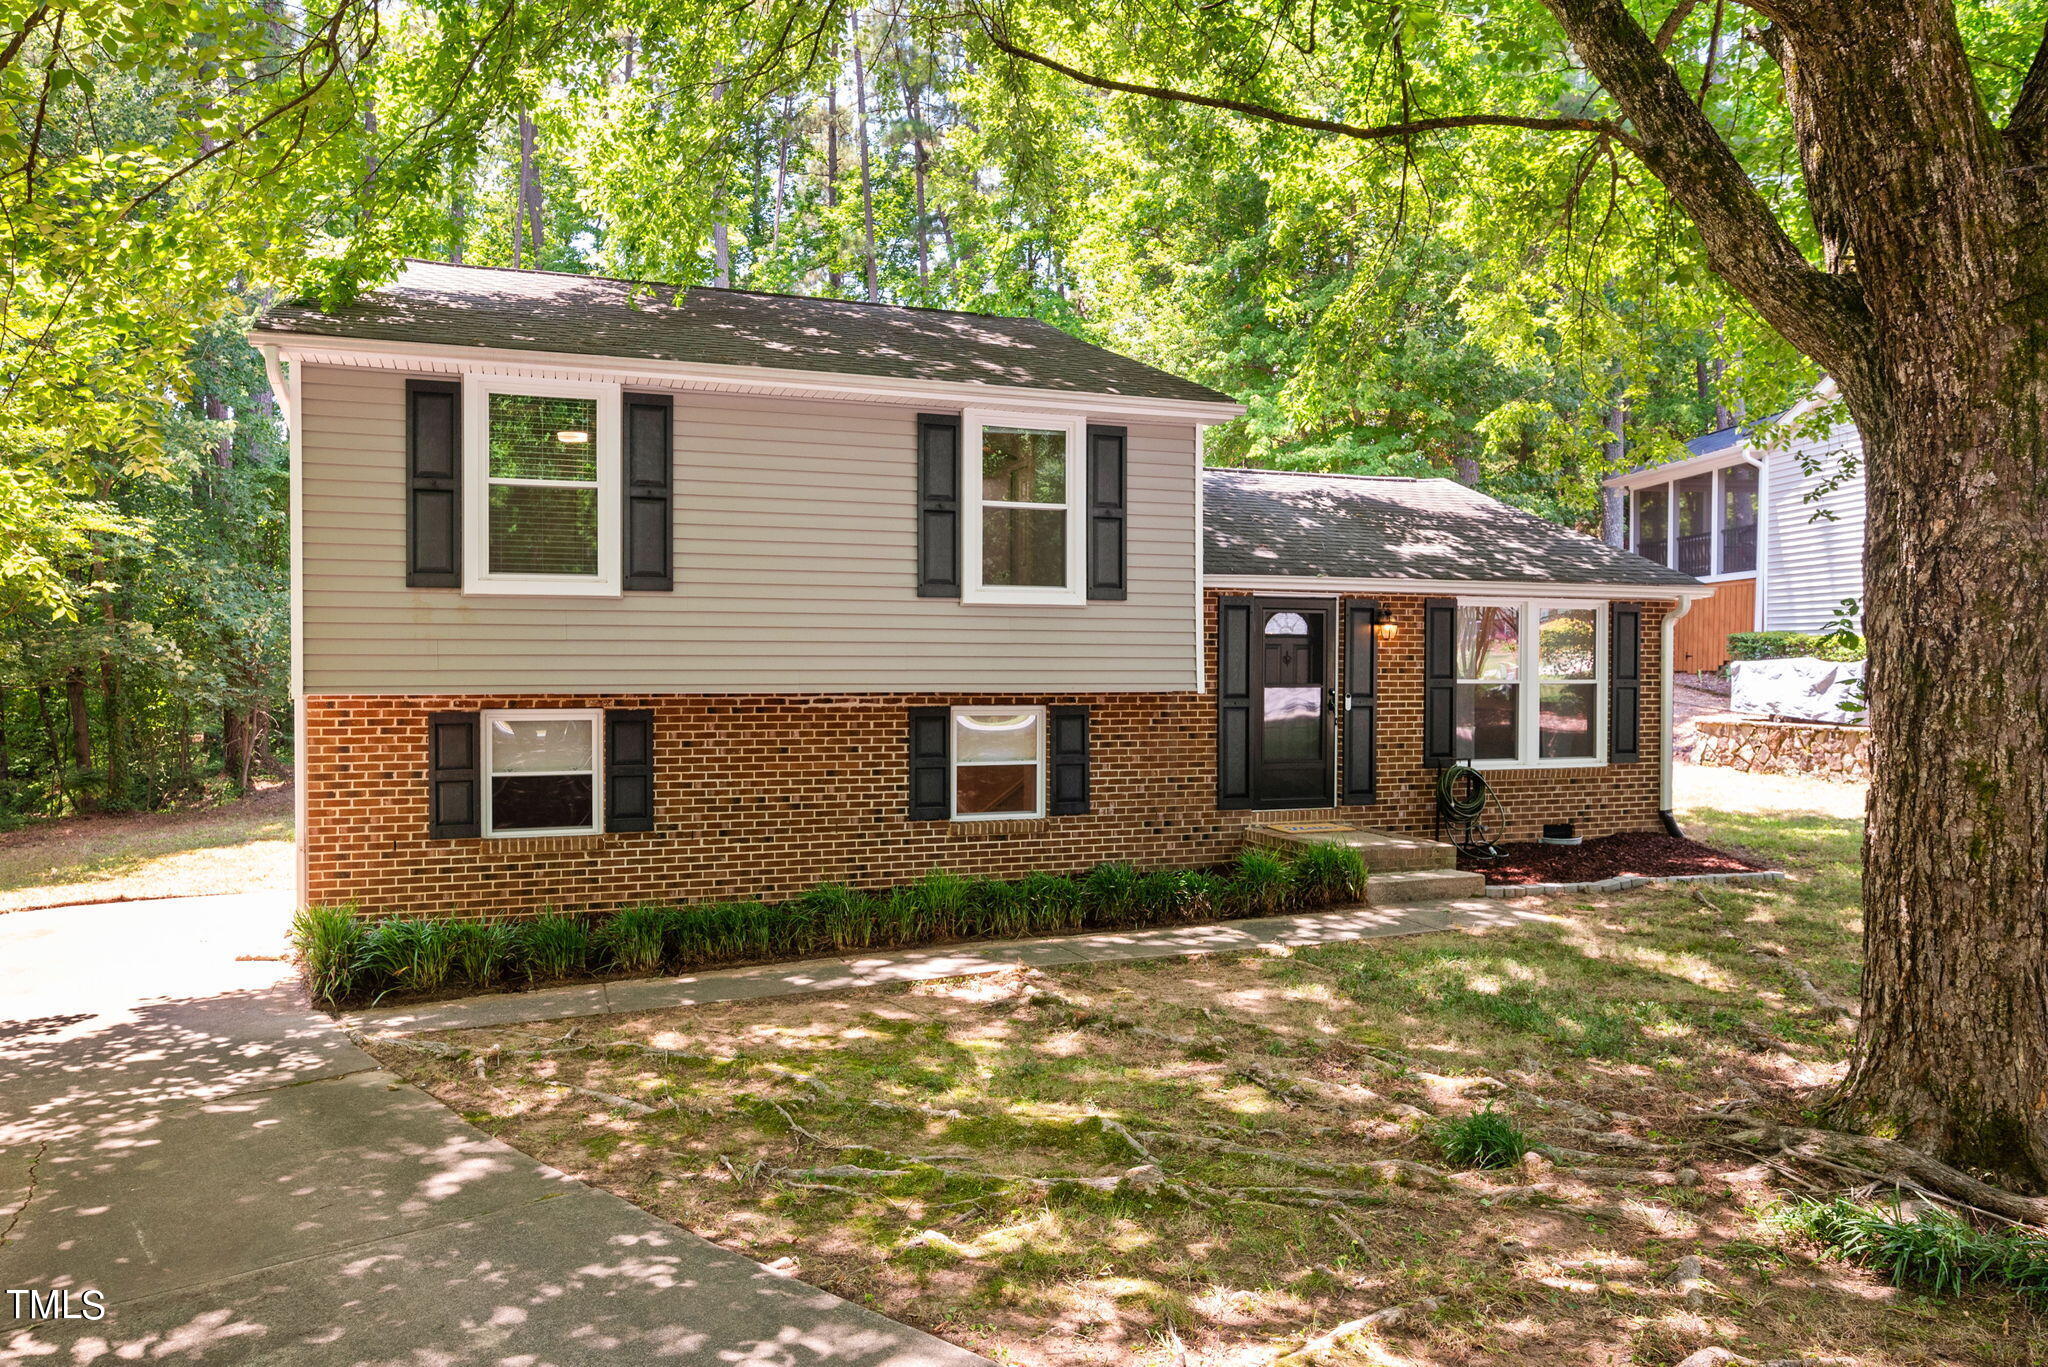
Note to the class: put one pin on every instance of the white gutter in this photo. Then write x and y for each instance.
(284, 388)
(1679, 469)
(1298, 585)
(1664, 760)
(421, 359)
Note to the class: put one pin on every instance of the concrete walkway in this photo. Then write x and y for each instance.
(240, 1183)
(914, 965)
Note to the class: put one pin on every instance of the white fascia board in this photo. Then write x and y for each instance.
(1297, 586)
(1692, 465)
(419, 358)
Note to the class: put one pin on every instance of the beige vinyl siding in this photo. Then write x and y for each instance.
(1813, 563)
(795, 570)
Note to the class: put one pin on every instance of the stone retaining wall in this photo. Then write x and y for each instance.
(1758, 746)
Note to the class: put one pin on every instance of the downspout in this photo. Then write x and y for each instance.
(1664, 757)
(285, 390)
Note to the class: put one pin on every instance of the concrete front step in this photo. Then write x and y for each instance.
(1422, 885)
(1383, 851)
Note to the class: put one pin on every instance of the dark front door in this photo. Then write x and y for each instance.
(1292, 737)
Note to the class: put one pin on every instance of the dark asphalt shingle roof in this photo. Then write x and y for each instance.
(461, 306)
(1271, 522)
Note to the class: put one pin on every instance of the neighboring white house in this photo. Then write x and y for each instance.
(1743, 512)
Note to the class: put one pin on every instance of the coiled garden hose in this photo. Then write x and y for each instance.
(1462, 797)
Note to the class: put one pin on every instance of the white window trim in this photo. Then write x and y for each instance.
(595, 716)
(476, 481)
(1529, 683)
(954, 764)
(972, 590)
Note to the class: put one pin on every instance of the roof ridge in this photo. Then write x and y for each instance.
(1333, 474)
(759, 294)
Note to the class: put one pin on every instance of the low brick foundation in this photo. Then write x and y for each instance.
(1758, 746)
(764, 796)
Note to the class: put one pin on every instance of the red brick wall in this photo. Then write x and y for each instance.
(763, 796)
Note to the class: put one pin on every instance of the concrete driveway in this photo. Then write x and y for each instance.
(237, 1182)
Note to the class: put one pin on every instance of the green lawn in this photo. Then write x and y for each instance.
(243, 846)
(1213, 1160)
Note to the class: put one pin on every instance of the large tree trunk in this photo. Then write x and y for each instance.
(1952, 1052)
(1930, 309)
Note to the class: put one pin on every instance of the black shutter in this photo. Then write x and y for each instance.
(454, 777)
(629, 769)
(938, 505)
(931, 737)
(1625, 668)
(433, 471)
(1439, 683)
(1234, 703)
(1361, 702)
(1107, 448)
(650, 504)
(1069, 761)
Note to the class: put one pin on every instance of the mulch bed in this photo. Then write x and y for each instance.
(1640, 853)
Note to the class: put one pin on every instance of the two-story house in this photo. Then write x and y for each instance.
(608, 592)
(1768, 514)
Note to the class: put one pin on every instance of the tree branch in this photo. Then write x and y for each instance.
(1602, 127)
(1821, 314)
(1668, 30)
(2027, 128)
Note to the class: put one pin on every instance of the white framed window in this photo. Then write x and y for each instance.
(540, 771)
(998, 763)
(1023, 539)
(1531, 690)
(541, 481)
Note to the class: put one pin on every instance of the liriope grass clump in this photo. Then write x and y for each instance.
(329, 941)
(1484, 1139)
(1931, 1249)
(632, 939)
(348, 959)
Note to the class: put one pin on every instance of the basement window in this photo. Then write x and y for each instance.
(998, 763)
(540, 769)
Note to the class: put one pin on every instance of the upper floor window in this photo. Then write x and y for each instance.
(1528, 690)
(1024, 478)
(542, 465)
(1703, 524)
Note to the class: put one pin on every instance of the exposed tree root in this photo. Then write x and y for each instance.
(1886, 1160)
(1344, 1338)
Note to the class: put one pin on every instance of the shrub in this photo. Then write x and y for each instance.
(1935, 1250)
(1174, 895)
(1486, 1139)
(1052, 903)
(329, 941)
(838, 917)
(632, 938)
(555, 946)
(997, 909)
(1790, 645)
(1260, 884)
(414, 954)
(484, 952)
(945, 901)
(728, 932)
(1109, 894)
(1325, 875)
